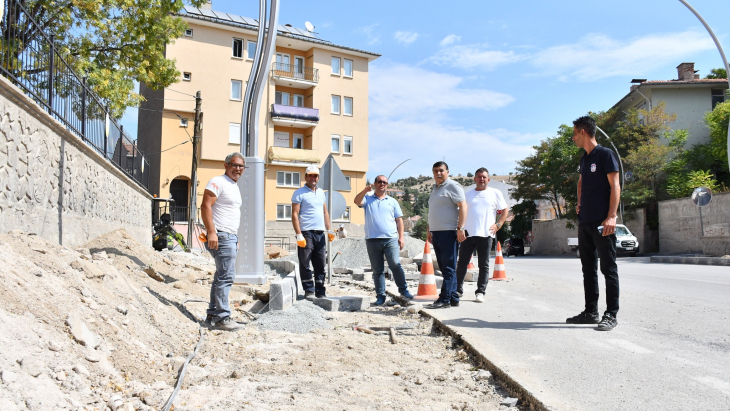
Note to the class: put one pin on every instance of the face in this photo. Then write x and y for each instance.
(481, 180)
(312, 179)
(440, 174)
(579, 136)
(381, 183)
(235, 169)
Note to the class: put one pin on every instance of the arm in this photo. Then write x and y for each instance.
(206, 212)
(428, 235)
(577, 207)
(401, 240)
(361, 195)
(502, 219)
(460, 235)
(609, 224)
(295, 217)
(326, 218)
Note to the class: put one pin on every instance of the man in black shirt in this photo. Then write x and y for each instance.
(598, 198)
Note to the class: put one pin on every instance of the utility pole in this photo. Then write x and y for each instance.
(193, 207)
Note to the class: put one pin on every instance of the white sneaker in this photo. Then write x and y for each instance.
(479, 298)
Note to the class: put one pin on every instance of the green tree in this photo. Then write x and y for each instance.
(113, 43)
(419, 230)
(470, 174)
(682, 185)
(717, 73)
(717, 122)
(523, 212)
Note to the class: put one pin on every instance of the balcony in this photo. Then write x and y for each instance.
(292, 75)
(292, 156)
(292, 116)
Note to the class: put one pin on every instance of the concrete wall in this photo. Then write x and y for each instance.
(690, 105)
(55, 185)
(679, 223)
(551, 237)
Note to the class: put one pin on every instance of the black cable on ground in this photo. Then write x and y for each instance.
(180, 377)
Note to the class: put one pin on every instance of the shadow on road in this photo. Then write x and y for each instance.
(505, 325)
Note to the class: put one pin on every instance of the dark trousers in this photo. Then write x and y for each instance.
(593, 245)
(483, 245)
(315, 251)
(446, 248)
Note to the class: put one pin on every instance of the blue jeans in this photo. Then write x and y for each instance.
(388, 247)
(315, 251)
(446, 247)
(225, 271)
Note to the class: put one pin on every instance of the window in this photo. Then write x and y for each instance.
(283, 211)
(298, 141)
(348, 106)
(238, 48)
(281, 139)
(236, 90)
(718, 96)
(183, 122)
(344, 217)
(234, 133)
(188, 32)
(335, 104)
(281, 97)
(283, 62)
(335, 143)
(348, 68)
(349, 181)
(347, 145)
(298, 100)
(299, 67)
(250, 49)
(336, 65)
(287, 179)
(187, 76)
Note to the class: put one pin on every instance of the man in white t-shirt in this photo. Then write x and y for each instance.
(221, 213)
(483, 203)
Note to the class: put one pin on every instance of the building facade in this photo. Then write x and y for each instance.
(315, 104)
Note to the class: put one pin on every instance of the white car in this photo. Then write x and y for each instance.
(626, 243)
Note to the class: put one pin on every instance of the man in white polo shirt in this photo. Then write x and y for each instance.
(310, 219)
(482, 205)
(383, 236)
(221, 213)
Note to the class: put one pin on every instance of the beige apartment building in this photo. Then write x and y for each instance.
(315, 104)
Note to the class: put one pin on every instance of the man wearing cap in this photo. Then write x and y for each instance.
(383, 236)
(446, 218)
(310, 219)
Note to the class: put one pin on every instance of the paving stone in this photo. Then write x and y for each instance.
(280, 295)
(343, 303)
(358, 277)
(404, 253)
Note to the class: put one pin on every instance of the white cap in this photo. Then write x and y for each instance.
(312, 170)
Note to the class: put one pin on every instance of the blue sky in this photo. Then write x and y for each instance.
(479, 83)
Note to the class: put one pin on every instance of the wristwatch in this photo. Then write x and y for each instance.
(499, 225)
(461, 228)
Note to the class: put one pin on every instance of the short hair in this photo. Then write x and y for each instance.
(482, 170)
(587, 124)
(233, 155)
(381, 175)
(439, 164)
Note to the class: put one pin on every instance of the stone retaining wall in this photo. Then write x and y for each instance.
(58, 187)
(679, 223)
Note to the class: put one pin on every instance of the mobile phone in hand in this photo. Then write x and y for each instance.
(600, 229)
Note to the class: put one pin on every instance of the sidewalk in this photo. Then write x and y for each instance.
(683, 259)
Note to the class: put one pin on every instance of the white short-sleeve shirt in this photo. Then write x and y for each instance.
(227, 206)
(482, 209)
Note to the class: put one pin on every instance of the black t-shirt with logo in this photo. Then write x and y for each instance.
(595, 191)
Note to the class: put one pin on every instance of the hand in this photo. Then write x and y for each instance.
(460, 235)
(213, 241)
(368, 188)
(493, 229)
(401, 243)
(429, 237)
(331, 235)
(609, 226)
(301, 241)
(577, 209)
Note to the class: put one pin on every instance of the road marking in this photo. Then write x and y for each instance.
(716, 383)
(629, 346)
(542, 308)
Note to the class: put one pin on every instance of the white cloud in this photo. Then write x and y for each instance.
(450, 39)
(369, 32)
(398, 90)
(597, 56)
(405, 37)
(473, 56)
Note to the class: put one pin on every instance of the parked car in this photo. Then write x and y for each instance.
(626, 243)
(514, 246)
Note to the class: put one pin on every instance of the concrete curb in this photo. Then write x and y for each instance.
(283, 293)
(690, 260)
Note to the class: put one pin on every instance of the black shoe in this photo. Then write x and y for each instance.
(454, 303)
(321, 295)
(438, 304)
(460, 293)
(309, 295)
(608, 322)
(583, 318)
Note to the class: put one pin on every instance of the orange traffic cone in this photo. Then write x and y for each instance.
(499, 272)
(427, 280)
(471, 265)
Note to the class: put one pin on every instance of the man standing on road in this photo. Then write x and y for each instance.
(446, 218)
(598, 198)
(482, 203)
(221, 213)
(383, 236)
(310, 219)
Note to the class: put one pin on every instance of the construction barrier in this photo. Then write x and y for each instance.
(427, 280)
(499, 272)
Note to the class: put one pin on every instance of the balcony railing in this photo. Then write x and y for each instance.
(295, 71)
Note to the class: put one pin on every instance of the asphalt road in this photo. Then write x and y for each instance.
(670, 350)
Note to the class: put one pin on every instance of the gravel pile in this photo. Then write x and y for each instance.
(301, 318)
(273, 272)
(354, 253)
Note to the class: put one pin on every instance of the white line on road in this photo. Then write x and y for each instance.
(716, 383)
(628, 345)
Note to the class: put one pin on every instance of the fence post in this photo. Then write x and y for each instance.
(83, 108)
(50, 75)
(106, 132)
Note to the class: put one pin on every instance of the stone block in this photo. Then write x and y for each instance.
(280, 295)
(358, 277)
(406, 260)
(409, 267)
(471, 276)
(340, 270)
(404, 253)
(343, 303)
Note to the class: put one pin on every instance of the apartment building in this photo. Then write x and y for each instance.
(315, 104)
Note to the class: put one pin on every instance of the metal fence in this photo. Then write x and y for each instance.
(30, 59)
(295, 71)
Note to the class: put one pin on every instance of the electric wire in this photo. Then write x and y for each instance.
(169, 89)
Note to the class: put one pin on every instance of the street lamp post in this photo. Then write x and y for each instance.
(722, 54)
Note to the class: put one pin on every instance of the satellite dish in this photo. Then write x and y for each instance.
(701, 196)
(309, 26)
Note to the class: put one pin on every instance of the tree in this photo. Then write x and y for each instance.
(523, 212)
(717, 122)
(419, 229)
(470, 174)
(717, 73)
(112, 43)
